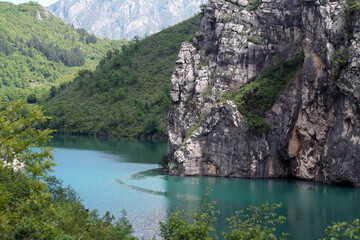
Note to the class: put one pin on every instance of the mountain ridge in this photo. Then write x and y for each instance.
(124, 18)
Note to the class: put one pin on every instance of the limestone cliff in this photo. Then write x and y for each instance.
(311, 131)
(124, 18)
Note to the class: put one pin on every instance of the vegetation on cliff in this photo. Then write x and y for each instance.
(38, 50)
(128, 93)
(255, 98)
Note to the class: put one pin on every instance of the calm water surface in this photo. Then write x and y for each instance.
(114, 174)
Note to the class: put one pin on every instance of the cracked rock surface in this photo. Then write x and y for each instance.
(314, 129)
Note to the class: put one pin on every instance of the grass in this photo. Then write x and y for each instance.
(254, 5)
(192, 130)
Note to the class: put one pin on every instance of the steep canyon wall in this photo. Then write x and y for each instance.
(312, 129)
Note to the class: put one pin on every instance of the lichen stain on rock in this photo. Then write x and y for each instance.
(210, 169)
(294, 145)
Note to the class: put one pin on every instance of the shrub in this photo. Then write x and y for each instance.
(211, 49)
(151, 127)
(91, 39)
(254, 5)
(31, 98)
(202, 63)
(203, 9)
(122, 229)
(257, 223)
(255, 39)
(339, 61)
(198, 225)
(343, 230)
(228, 17)
(207, 92)
(340, 58)
(53, 92)
(256, 124)
(164, 162)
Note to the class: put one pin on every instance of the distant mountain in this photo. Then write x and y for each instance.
(38, 50)
(116, 19)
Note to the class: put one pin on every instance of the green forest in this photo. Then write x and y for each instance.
(128, 93)
(88, 85)
(38, 50)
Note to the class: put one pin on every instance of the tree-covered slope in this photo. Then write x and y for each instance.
(128, 93)
(38, 49)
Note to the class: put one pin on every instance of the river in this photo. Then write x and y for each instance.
(112, 174)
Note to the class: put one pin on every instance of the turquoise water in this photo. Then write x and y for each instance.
(114, 174)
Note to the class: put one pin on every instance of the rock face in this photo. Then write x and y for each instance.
(124, 18)
(43, 11)
(314, 125)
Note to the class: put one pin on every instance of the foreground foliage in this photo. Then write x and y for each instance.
(26, 209)
(128, 93)
(258, 223)
(199, 225)
(33, 205)
(343, 230)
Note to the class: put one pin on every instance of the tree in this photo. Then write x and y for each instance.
(258, 223)
(151, 126)
(343, 230)
(32, 204)
(25, 209)
(82, 32)
(31, 98)
(196, 226)
(91, 39)
(53, 91)
(203, 9)
(30, 53)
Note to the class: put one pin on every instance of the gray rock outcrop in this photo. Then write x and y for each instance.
(314, 124)
(124, 18)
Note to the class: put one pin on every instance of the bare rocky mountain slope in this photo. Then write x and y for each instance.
(269, 89)
(124, 18)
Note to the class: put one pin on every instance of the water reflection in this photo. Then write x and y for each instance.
(127, 149)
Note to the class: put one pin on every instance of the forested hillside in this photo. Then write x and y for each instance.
(38, 50)
(128, 93)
